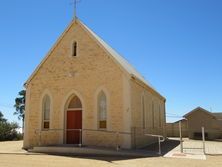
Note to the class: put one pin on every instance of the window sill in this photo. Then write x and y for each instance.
(102, 129)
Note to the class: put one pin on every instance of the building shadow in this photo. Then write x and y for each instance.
(149, 152)
(166, 146)
(152, 151)
(107, 158)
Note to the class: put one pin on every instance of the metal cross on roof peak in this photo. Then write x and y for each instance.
(75, 7)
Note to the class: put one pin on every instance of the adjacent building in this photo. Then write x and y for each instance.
(198, 118)
(173, 129)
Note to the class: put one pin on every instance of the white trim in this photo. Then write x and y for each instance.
(74, 109)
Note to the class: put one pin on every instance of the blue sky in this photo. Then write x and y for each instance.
(175, 44)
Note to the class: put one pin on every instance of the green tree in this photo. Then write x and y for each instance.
(2, 119)
(20, 107)
(8, 131)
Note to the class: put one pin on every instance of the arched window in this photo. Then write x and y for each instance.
(102, 110)
(74, 49)
(75, 103)
(46, 112)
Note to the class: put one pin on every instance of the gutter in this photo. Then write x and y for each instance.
(144, 85)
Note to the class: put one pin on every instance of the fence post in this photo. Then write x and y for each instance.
(40, 138)
(203, 137)
(80, 138)
(181, 139)
(117, 141)
(134, 136)
(159, 145)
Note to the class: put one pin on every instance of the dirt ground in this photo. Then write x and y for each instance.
(11, 155)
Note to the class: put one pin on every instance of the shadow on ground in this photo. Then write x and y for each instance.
(107, 158)
(167, 146)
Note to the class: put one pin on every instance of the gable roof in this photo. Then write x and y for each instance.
(123, 62)
(215, 115)
(197, 109)
(119, 59)
(181, 120)
(218, 115)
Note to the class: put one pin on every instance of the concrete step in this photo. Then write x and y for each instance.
(92, 151)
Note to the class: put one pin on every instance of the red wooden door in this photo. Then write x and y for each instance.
(74, 121)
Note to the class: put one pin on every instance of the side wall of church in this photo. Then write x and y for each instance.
(148, 115)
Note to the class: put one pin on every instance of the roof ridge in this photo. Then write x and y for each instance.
(120, 59)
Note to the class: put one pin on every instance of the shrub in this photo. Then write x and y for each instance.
(8, 131)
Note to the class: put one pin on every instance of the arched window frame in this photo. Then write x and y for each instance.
(46, 107)
(75, 103)
(102, 117)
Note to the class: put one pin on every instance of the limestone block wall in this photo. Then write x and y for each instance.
(62, 75)
(106, 139)
(212, 126)
(148, 117)
(173, 129)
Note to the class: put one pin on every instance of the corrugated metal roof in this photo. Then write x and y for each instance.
(197, 109)
(218, 115)
(123, 62)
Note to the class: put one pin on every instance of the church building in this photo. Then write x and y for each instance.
(84, 93)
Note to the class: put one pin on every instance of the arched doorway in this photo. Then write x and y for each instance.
(74, 121)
